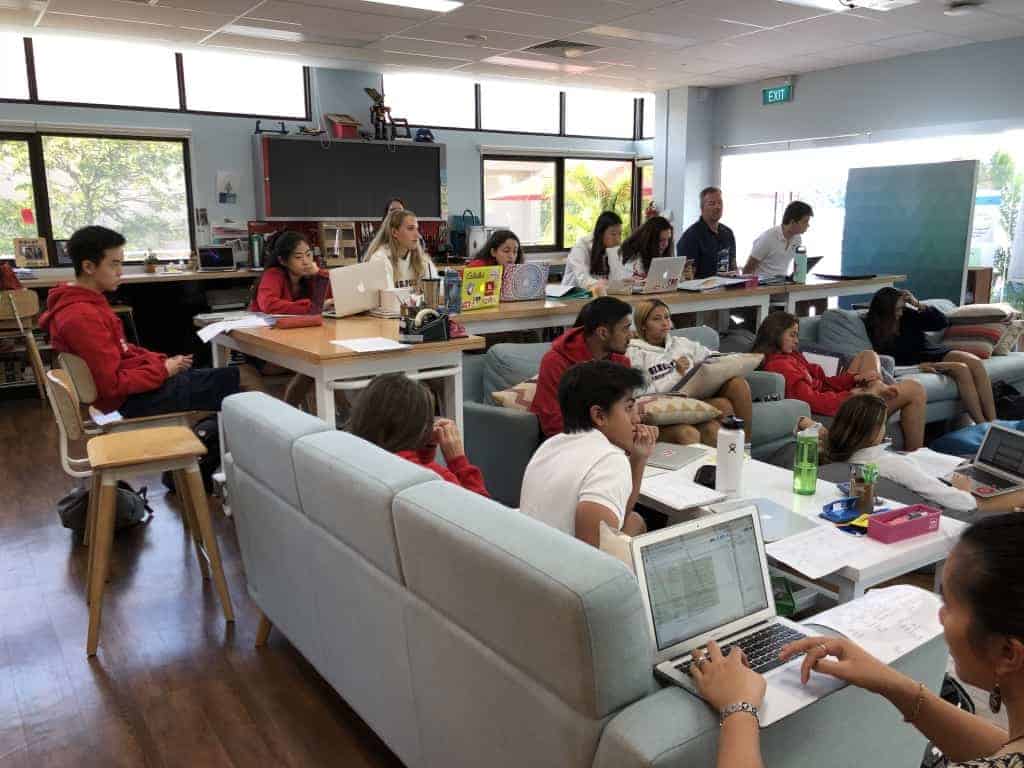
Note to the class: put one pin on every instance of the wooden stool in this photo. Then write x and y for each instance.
(121, 455)
(17, 312)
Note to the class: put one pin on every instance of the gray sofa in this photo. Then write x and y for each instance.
(501, 441)
(467, 634)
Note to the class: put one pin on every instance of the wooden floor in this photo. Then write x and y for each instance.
(172, 684)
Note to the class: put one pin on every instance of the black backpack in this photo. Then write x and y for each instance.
(209, 435)
(132, 508)
(1009, 402)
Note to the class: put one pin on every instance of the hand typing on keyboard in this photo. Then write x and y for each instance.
(761, 649)
(724, 679)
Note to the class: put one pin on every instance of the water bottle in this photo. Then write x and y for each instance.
(453, 291)
(800, 265)
(805, 462)
(731, 439)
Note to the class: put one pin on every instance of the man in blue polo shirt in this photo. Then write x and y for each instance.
(709, 243)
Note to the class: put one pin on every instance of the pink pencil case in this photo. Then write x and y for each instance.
(904, 523)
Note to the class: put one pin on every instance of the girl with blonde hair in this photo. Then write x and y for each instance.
(397, 243)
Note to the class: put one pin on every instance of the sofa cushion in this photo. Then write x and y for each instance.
(1008, 341)
(981, 313)
(509, 364)
(716, 371)
(677, 409)
(347, 485)
(843, 332)
(1008, 367)
(567, 615)
(978, 339)
(702, 335)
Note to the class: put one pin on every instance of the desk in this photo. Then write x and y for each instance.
(310, 351)
(141, 278)
(878, 562)
(817, 288)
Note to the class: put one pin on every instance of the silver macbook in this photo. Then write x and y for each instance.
(672, 456)
(357, 288)
(216, 258)
(998, 467)
(777, 522)
(708, 580)
(662, 277)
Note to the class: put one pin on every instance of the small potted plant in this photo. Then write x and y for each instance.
(151, 262)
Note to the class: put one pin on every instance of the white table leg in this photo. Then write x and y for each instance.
(324, 400)
(940, 566)
(453, 398)
(221, 356)
(849, 590)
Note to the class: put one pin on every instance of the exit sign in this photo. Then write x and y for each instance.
(777, 95)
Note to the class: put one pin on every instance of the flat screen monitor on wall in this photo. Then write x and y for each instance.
(306, 179)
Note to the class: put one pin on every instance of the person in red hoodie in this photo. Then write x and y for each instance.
(602, 332)
(130, 379)
(501, 249)
(778, 339)
(397, 414)
(293, 284)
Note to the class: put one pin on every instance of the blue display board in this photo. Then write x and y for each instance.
(914, 220)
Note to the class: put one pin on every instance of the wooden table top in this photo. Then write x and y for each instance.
(816, 283)
(138, 278)
(314, 343)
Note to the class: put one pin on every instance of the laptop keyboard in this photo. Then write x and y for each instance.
(986, 478)
(762, 648)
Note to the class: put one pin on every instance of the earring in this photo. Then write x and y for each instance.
(995, 699)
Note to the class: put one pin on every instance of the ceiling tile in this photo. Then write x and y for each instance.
(592, 11)
(434, 48)
(320, 22)
(635, 41)
(415, 61)
(129, 11)
(107, 27)
(851, 27)
(762, 14)
(673, 20)
(223, 7)
(928, 15)
(447, 33)
(480, 18)
(922, 41)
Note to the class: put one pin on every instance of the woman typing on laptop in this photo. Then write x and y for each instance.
(983, 621)
(651, 241)
(594, 260)
(502, 249)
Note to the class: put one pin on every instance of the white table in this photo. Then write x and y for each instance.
(878, 562)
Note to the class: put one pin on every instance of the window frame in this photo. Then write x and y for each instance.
(559, 195)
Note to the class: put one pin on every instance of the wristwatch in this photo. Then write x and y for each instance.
(741, 706)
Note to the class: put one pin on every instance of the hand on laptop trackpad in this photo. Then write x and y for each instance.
(785, 681)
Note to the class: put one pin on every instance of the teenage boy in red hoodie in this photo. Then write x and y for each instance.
(602, 332)
(129, 379)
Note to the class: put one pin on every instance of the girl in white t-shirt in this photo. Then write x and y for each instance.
(651, 241)
(397, 243)
(589, 264)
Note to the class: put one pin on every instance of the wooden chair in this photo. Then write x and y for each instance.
(121, 455)
(17, 320)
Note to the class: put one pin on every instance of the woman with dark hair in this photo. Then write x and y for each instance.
(397, 414)
(778, 339)
(897, 323)
(594, 261)
(982, 619)
(652, 241)
(293, 284)
(501, 249)
(393, 204)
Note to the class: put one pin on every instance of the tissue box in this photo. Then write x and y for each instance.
(889, 527)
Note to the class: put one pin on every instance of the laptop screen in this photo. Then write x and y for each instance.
(1003, 450)
(216, 257)
(704, 579)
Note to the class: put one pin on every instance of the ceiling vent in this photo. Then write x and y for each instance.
(563, 49)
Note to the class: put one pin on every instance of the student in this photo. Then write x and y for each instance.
(293, 284)
(129, 379)
(778, 339)
(588, 266)
(397, 414)
(982, 619)
(602, 333)
(501, 249)
(393, 204)
(708, 243)
(398, 244)
(652, 241)
(775, 249)
(897, 323)
(856, 436)
(592, 472)
(665, 358)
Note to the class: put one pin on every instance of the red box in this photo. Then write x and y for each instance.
(343, 126)
(884, 528)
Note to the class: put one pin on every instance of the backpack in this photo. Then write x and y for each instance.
(132, 508)
(209, 435)
(1009, 402)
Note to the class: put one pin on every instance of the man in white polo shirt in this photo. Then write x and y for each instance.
(592, 471)
(775, 249)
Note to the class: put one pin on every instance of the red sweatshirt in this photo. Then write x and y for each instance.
(80, 321)
(569, 348)
(458, 471)
(808, 382)
(482, 263)
(274, 294)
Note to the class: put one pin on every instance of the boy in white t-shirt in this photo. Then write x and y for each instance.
(592, 471)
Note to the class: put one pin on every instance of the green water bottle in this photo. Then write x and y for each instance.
(805, 462)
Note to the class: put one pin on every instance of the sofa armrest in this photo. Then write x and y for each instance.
(671, 728)
(501, 442)
(765, 383)
(776, 419)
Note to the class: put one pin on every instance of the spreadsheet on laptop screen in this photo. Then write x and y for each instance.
(1004, 451)
(703, 579)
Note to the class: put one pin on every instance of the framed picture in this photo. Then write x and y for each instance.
(63, 257)
(31, 252)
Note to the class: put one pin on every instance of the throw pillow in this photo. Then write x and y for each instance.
(676, 409)
(842, 332)
(972, 314)
(1008, 342)
(713, 372)
(979, 339)
(519, 397)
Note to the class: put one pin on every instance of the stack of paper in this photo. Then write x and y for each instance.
(226, 326)
(709, 283)
(371, 344)
(817, 552)
(934, 463)
(675, 492)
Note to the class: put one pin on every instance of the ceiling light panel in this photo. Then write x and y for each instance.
(435, 6)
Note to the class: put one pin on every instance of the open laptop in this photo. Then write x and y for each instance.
(524, 282)
(708, 580)
(357, 288)
(671, 456)
(777, 522)
(662, 277)
(216, 258)
(998, 467)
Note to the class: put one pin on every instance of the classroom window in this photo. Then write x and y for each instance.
(87, 71)
(645, 175)
(136, 186)
(648, 117)
(520, 195)
(431, 100)
(594, 186)
(237, 84)
(522, 107)
(598, 113)
(13, 73)
(17, 195)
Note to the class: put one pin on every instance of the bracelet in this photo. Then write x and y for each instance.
(917, 704)
(742, 706)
